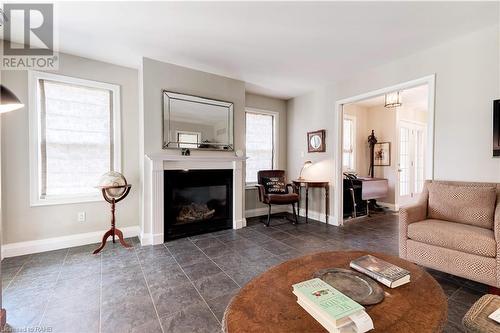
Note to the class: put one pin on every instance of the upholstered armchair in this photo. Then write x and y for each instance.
(287, 197)
(455, 228)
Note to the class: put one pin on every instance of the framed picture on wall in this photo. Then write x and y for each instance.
(316, 141)
(382, 152)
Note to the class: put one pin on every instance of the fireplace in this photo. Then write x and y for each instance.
(197, 201)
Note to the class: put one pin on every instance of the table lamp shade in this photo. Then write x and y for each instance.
(8, 101)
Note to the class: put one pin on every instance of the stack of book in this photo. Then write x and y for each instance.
(386, 273)
(336, 312)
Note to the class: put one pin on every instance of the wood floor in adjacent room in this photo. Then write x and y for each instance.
(184, 286)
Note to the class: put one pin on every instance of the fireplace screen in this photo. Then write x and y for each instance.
(197, 201)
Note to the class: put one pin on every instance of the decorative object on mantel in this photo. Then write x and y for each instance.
(114, 189)
(382, 154)
(316, 141)
(185, 152)
(306, 165)
(372, 141)
(496, 127)
(393, 100)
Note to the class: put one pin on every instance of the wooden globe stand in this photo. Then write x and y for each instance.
(114, 231)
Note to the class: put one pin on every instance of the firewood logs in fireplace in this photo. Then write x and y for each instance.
(195, 212)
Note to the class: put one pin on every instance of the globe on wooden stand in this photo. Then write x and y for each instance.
(114, 189)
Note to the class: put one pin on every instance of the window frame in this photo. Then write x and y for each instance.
(276, 135)
(353, 141)
(35, 136)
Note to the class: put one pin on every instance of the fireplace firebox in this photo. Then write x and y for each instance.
(197, 201)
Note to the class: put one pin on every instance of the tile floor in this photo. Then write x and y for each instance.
(184, 286)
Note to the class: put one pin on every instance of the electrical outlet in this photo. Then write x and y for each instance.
(81, 216)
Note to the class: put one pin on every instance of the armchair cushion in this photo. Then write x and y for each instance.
(473, 205)
(281, 199)
(275, 185)
(454, 236)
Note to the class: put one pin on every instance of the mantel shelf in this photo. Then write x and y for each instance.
(205, 158)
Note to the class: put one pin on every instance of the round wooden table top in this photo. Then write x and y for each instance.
(266, 304)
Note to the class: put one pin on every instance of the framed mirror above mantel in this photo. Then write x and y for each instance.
(196, 122)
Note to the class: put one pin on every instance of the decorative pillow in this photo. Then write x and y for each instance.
(274, 185)
(473, 205)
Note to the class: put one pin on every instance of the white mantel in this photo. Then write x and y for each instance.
(155, 165)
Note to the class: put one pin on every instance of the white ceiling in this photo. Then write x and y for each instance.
(280, 49)
(415, 98)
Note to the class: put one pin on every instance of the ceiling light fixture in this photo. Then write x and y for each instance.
(393, 99)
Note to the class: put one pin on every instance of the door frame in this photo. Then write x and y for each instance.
(338, 195)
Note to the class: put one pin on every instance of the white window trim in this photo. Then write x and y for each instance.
(276, 130)
(34, 136)
(354, 125)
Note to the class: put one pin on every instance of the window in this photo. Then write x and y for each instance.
(349, 157)
(261, 141)
(188, 139)
(74, 137)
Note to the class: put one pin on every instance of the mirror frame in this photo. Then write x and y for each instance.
(167, 96)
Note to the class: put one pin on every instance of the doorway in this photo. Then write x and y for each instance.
(405, 134)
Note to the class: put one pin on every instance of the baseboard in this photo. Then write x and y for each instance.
(263, 211)
(56, 243)
(314, 215)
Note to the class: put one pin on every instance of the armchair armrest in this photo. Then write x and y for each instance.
(413, 213)
(262, 192)
(407, 215)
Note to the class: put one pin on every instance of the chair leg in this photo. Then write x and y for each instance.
(268, 217)
(295, 215)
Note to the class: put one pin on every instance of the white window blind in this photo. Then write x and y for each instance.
(348, 149)
(259, 144)
(76, 138)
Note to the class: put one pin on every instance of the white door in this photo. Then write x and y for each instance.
(411, 161)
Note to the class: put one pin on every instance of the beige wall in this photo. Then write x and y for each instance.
(22, 222)
(467, 80)
(276, 105)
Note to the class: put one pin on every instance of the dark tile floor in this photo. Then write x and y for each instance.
(185, 285)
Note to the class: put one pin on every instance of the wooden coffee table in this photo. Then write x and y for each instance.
(266, 304)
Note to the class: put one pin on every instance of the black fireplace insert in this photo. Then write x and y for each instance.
(197, 201)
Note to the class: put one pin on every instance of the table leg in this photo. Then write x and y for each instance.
(327, 201)
(307, 203)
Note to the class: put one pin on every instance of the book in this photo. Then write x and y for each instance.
(332, 309)
(495, 315)
(328, 300)
(386, 273)
(346, 327)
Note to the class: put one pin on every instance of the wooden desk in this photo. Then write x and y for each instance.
(266, 304)
(312, 183)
